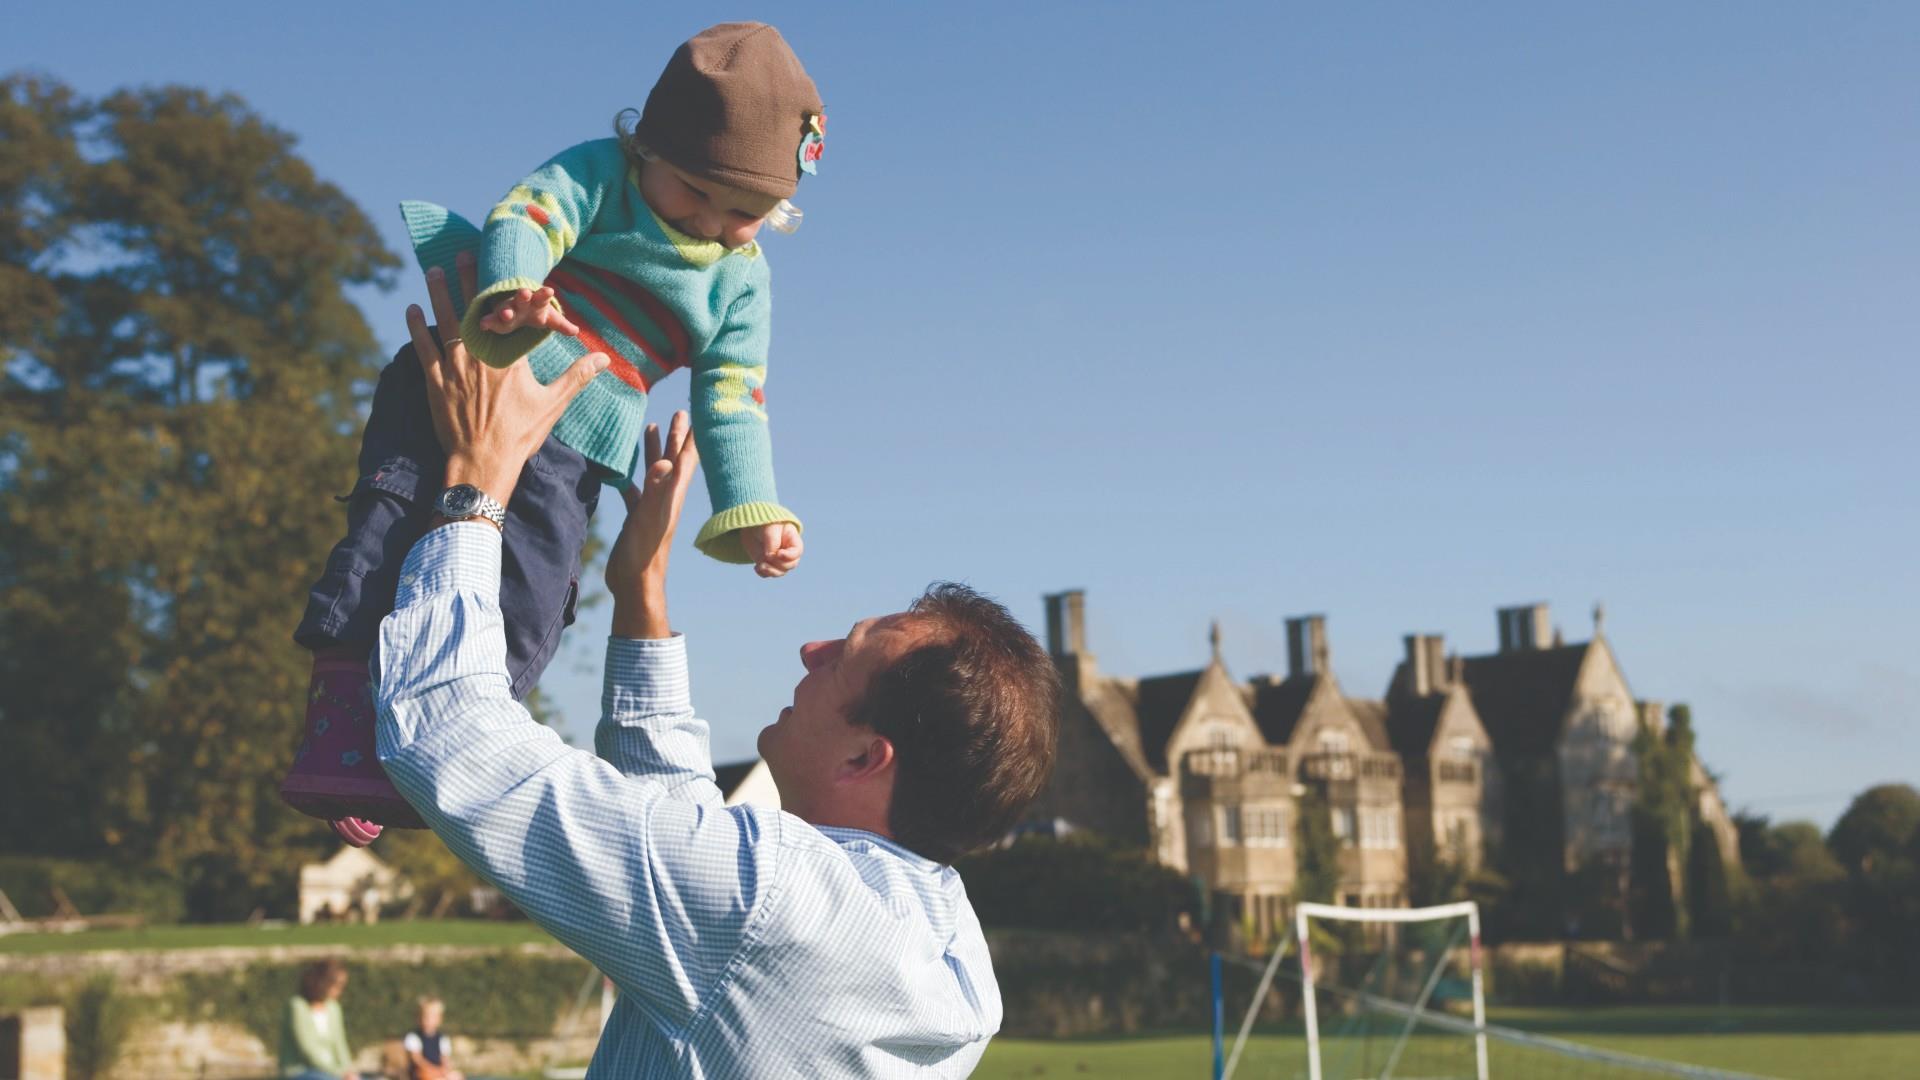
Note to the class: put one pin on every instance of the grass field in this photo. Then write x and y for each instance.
(343, 935)
(1774, 1042)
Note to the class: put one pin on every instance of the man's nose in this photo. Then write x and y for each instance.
(812, 653)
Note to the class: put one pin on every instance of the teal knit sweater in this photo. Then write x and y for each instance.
(649, 296)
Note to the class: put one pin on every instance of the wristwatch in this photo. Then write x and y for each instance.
(464, 502)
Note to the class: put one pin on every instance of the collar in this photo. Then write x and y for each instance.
(854, 838)
(697, 252)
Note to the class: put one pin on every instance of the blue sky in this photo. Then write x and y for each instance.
(1398, 313)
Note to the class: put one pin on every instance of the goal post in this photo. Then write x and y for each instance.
(1466, 909)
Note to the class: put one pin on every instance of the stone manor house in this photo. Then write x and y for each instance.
(1531, 745)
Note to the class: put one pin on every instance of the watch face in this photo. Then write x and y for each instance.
(460, 500)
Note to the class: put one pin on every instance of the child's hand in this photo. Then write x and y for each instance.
(774, 549)
(528, 307)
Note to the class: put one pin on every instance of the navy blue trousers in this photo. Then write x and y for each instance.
(402, 471)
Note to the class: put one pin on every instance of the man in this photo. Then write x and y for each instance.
(831, 939)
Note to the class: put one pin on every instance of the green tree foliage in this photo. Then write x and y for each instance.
(1316, 873)
(1878, 842)
(1663, 823)
(1710, 887)
(1797, 910)
(181, 364)
(1080, 882)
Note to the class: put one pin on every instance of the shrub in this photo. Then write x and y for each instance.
(500, 996)
(1077, 883)
(99, 1019)
(95, 888)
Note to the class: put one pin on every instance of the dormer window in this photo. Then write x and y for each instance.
(1333, 741)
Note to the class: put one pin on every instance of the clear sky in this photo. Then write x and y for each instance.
(1396, 312)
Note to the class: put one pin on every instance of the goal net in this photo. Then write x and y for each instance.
(1372, 977)
(1395, 992)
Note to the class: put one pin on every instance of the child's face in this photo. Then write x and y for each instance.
(430, 1018)
(703, 208)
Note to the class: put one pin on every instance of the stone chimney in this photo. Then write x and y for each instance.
(1525, 628)
(1066, 623)
(1307, 645)
(1427, 669)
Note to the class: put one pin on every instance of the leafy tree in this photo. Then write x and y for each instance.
(1878, 842)
(1710, 888)
(1797, 912)
(1080, 882)
(1663, 820)
(1316, 867)
(182, 367)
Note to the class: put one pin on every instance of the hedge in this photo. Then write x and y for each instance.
(96, 888)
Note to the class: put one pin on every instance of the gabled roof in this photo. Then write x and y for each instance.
(728, 777)
(1411, 722)
(1373, 720)
(1523, 695)
(1159, 703)
(1277, 706)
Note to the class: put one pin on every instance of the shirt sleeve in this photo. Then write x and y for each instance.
(313, 1047)
(656, 891)
(413, 1044)
(531, 230)
(647, 726)
(728, 400)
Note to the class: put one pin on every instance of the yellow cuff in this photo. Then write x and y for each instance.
(500, 350)
(719, 537)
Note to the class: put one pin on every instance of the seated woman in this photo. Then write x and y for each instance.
(313, 1037)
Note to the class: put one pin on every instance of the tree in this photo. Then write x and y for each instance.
(1878, 842)
(181, 375)
(1316, 874)
(1663, 822)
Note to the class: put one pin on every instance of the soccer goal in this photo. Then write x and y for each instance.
(1391, 968)
(1397, 993)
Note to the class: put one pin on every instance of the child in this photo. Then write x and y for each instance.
(640, 247)
(429, 1055)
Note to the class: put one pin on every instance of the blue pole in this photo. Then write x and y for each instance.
(1219, 1050)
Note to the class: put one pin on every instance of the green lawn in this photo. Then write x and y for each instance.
(344, 935)
(1786, 1043)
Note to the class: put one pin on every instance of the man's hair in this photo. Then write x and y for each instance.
(972, 716)
(427, 1001)
(320, 977)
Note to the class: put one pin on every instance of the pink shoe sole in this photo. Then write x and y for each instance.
(336, 775)
(355, 831)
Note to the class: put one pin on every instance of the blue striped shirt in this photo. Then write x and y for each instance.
(745, 942)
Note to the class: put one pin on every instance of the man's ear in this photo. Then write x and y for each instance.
(875, 758)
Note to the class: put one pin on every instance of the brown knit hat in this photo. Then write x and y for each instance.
(734, 106)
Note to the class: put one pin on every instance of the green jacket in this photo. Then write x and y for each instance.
(304, 1046)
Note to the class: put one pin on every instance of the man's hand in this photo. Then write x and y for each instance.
(774, 549)
(490, 420)
(637, 566)
(528, 307)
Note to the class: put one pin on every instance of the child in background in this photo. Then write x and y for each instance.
(640, 247)
(429, 1052)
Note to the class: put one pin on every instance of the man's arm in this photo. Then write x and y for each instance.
(655, 891)
(647, 726)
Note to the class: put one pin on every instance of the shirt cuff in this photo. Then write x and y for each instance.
(646, 677)
(462, 556)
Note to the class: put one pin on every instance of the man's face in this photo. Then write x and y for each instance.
(808, 747)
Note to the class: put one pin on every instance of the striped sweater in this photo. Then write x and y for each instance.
(649, 296)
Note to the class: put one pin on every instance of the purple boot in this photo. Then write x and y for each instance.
(336, 775)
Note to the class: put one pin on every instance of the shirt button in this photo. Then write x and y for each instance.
(409, 578)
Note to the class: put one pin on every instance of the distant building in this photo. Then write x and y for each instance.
(1530, 746)
(354, 884)
(748, 783)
